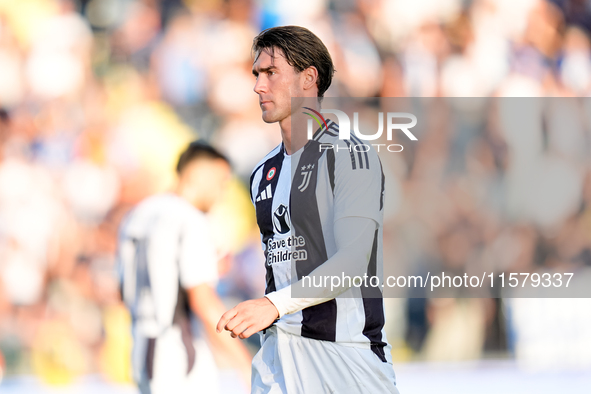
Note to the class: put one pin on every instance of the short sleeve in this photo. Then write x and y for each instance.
(359, 183)
(197, 260)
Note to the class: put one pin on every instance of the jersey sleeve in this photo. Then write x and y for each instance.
(254, 179)
(197, 257)
(358, 183)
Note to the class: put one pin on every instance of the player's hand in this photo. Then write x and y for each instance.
(248, 317)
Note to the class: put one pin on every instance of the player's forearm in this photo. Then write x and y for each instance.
(234, 349)
(354, 242)
(286, 304)
(231, 352)
(208, 307)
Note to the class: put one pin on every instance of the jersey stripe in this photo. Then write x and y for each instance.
(353, 165)
(329, 133)
(318, 321)
(264, 209)
(365, 152)
(333, 130)
(252, 179)
(182, 320)
(150, 352)
(373, 306)
(330, 163)
(358, 153)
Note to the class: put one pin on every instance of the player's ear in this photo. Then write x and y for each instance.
(310, 77)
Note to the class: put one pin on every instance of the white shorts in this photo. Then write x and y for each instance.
(170, 366)
(292, 364)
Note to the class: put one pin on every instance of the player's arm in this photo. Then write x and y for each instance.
(198, 274)
(354, 238)
(206, 304)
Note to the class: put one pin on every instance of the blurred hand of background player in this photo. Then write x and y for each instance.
(248, 317)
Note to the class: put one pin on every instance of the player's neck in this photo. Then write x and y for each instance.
(285, 126)
(294, 127)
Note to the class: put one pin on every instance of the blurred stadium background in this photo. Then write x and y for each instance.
(98, 97)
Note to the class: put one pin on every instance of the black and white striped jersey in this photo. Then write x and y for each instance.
(297, 199)
(164, 249)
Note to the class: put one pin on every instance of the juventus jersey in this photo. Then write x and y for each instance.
(164, 249)
(298, 198)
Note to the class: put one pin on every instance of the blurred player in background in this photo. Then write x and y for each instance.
(168, 267)
(320, 344)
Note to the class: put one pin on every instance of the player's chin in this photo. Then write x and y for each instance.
(269, 117)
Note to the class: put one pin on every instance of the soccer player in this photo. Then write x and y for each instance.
(323, 209)
(168, 267)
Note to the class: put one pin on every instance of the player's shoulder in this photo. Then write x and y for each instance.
(328, 134)
(161, 202)
(164, 206)
(277, 150)
(138, 217)
(352, 153)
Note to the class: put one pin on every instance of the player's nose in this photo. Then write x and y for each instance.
(260, 86)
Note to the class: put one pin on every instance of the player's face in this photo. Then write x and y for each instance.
(209, 180)
(276, 83)
(218, 174)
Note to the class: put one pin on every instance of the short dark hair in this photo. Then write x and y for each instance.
(198, 150)
(4, 116)
(301, 49)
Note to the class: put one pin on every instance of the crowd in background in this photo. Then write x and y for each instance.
(98, 97)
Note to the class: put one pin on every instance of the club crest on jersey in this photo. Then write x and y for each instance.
(281, 220)
(307, 174)
(271, 173)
